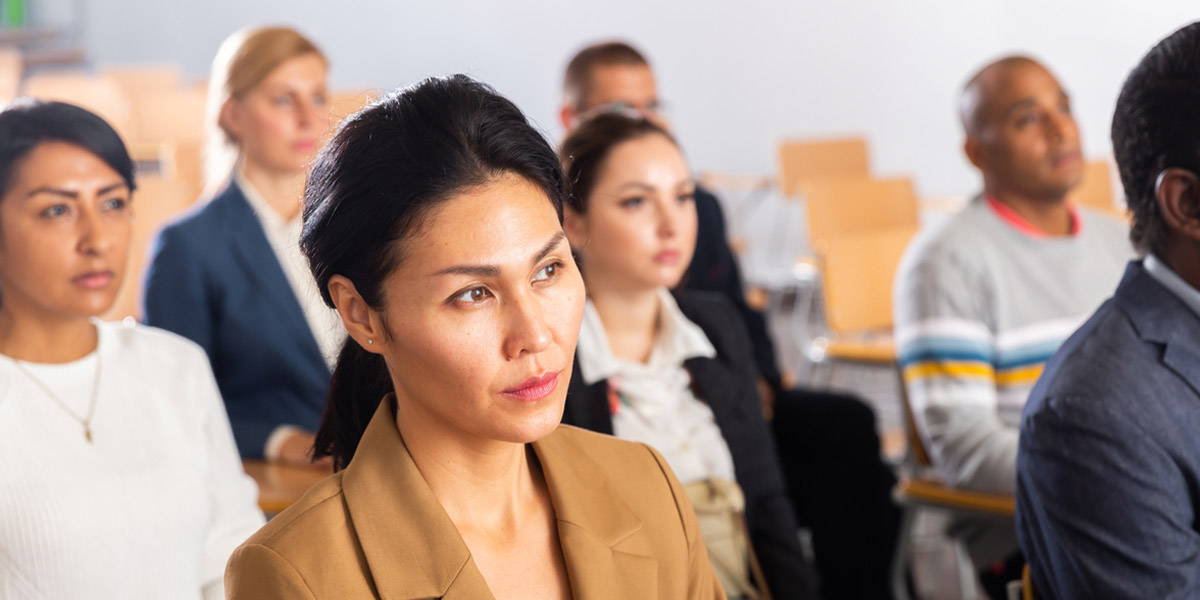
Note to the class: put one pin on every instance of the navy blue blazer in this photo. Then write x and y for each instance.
(727, 383)
(214, 279)
(1108, 470)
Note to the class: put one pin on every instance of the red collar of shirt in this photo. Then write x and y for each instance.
(1016, 221)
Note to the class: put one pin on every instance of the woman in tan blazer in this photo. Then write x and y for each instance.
(433, 224)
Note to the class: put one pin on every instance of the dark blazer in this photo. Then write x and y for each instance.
(1108, 471)
(375, 530)
(727, 384)
(715, 269)
(214, 279)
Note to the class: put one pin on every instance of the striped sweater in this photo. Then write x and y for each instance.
(981, 303)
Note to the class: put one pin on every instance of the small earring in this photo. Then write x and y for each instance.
(370, 341)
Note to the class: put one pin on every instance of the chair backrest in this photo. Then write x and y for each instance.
(802, 161)
(344, 103)
(12, 68)
(136, 79)
(169, 115)
(1096, 189)
(155, 202)
(180, 161)
(96, 93)
(839, 207)
(857, 271)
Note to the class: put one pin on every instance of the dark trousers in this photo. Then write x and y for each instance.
(841, 490)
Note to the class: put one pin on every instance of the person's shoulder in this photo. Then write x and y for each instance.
(705, 306)
(314, 536)
(1100, 367)
(624, 463)
(205, 215)
(318, 516)
(952, 242)
(153, 349)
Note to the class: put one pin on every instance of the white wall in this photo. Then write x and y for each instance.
(737, 75)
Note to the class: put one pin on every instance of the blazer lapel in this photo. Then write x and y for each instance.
(1162, 318)
(263, 269)
(399, 521)
(592, 524)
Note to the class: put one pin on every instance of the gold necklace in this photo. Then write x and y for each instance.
(85, 421)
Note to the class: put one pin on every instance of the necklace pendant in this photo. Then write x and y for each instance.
(87, 433)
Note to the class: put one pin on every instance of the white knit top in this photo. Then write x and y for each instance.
(153, 507)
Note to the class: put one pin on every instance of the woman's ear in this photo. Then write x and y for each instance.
(361, 321)
(575, 226)
(1178, 195)
(230, 119)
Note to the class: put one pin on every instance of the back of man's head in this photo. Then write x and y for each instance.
(1156, 126)
(578, 79)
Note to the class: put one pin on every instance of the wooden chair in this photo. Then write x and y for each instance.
(839, 207)
(279, 485)
(155, 201)
(98, 94)
(136, 79)
(857, 270)
(12, 68)
(921, 488)
(1027, 592)
(168, 115)
(181, 161)
(344, 103)
(1096, 189)
(802, 161)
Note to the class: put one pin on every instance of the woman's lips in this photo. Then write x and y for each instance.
(94, 280)
(534, 388)
(667, 257)
(305, 145)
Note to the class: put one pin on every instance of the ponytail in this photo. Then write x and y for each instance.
(360, 381)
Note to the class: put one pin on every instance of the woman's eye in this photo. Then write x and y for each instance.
(688, 197)
(473, 295)
(319, 100)
(1026, 120)
(548, 273)
(281, 100)
(115, 204)
(633, 202)
(57, 210)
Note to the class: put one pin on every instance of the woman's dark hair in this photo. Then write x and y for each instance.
(584, 151)
(26, 123)
(374, 183)
(1156, 126)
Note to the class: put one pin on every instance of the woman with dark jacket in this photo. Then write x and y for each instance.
(674, 370)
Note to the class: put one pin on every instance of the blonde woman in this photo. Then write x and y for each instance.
(119, 477)
(230, 275)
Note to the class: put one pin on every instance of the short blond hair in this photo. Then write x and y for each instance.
(243, 61)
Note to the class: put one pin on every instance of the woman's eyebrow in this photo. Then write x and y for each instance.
(493, 270)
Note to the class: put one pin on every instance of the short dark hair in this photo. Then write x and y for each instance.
(27, 123)
(372, 186)
(1156, 126)
(577, 83)
(584, 151)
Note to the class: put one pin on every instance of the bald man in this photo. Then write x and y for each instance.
(984, 300)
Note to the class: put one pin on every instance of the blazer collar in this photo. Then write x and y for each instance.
(1160, 317)
(263, 269)
(399, 521)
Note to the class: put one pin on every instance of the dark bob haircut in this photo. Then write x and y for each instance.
(382, 173)
(26, 123)
(1156, 126)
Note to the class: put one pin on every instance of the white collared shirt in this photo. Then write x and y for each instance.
(655, 402)
(1171, 280)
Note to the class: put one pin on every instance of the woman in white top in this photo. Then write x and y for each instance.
(120, 478)
(230, 275)
(674, 370)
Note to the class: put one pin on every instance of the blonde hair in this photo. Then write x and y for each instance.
(243, 61)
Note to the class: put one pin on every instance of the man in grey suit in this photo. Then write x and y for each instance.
(1108, 469)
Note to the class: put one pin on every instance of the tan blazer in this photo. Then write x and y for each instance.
(375, 530)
